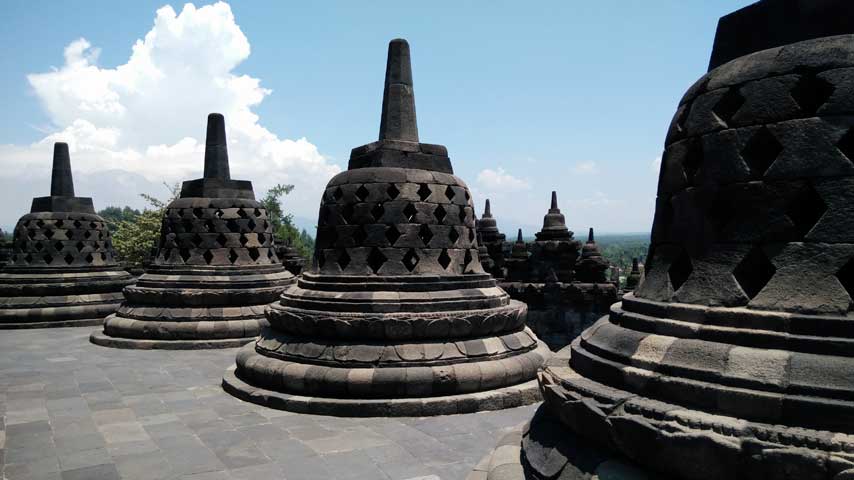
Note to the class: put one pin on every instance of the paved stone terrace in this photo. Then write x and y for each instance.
(71, 410)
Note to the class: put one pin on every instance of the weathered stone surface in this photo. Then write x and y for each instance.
(396, 315)
(61, 269)
(214, 270)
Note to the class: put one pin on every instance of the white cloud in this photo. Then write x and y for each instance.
(499, 180)
(585, 168)
(147, 116)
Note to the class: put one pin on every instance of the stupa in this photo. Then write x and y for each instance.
(62, 270)
(554, 248)
(493, 240)
(733, 358)
(591, 266)
(396, 315)
(634, 277)
(517, 264)
(215, 268)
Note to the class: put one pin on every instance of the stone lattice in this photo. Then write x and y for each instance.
(214, 271)
(61, 270)
(396, 316)
(733, 357)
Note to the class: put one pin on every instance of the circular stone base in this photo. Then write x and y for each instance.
(83, 322)
(557, 453)
(507, 397)
(99, 338)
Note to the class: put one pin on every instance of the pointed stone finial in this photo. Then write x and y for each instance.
(61, 182)
(486, 210)
(554, 200)
(590, 236)
(398, 115)
(519, 237)
(216, 150)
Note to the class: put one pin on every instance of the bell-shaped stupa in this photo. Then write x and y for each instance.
(733, 359)
(591, 266)
(62, 269)
(396, 315)
(493, 240)
(215, 268)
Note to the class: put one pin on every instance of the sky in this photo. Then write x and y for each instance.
(569, 96)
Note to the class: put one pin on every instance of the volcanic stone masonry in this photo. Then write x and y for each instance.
(565, 293)
(214, 271)
(733, 358)
(61, 271)
(396, 315)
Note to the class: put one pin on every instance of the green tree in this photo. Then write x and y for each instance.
(135, 237)
(115, 215)
(283, 225)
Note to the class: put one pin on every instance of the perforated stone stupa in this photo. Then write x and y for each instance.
(734, 357)
(214, 271)
(396, 315)
(62, 269)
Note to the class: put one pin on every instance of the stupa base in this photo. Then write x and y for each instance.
(56, 317)
(544, 449)
(83, 322)
(101, 339)
(498, 399)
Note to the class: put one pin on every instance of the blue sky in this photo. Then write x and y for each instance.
(568, 96)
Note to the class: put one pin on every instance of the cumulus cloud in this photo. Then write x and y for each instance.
(585, 168)
(499, 180)
(145, 119)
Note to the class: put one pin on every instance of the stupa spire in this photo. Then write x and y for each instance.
(590, 238)
(519, 237)
(216, 150)
(61, 181)
(398, 114)
(554, 201)
(487, 212)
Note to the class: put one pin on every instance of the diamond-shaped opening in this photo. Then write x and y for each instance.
(58, 246)
(232, 225)
(218, 213)
(89, 258)
(811, 93)
(48, 258)
(468, 196)
(208, 256)
(262, 238)
(59, 223)
(425, 234)
(87, 234)
(392, 191)
(845, 275)
(93, 225)
(440, 213)
(337, 194)
(40, 223)
(251, 224)
(449, 192)
(197, 212)
(103, 256)
(376, 259)
(187, 225)
(39, 246)
(343, 259)
(197, 240)
(242, 213)
(754, 272)
(254, 254)
(243, 240)
(471, 234)
(728, 105)
(462, 215)
(185, 254)
(453, 235)
(359, 236)
(805, 211)
(693, 160)
(761, 151)
(846, 144)
(69, 259)
(257, 212)
(410, 211)
(48, 233)
(28, 258)
(347, 214)
(232, 256)
(77, 224)
(221, 240)
(362, 193)
(410, 259)
(680, 270)
(444, 259)
(209, 226)
(391, 234)
(32, 233)
(467, 260)
(377, 212)
(424, 191)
